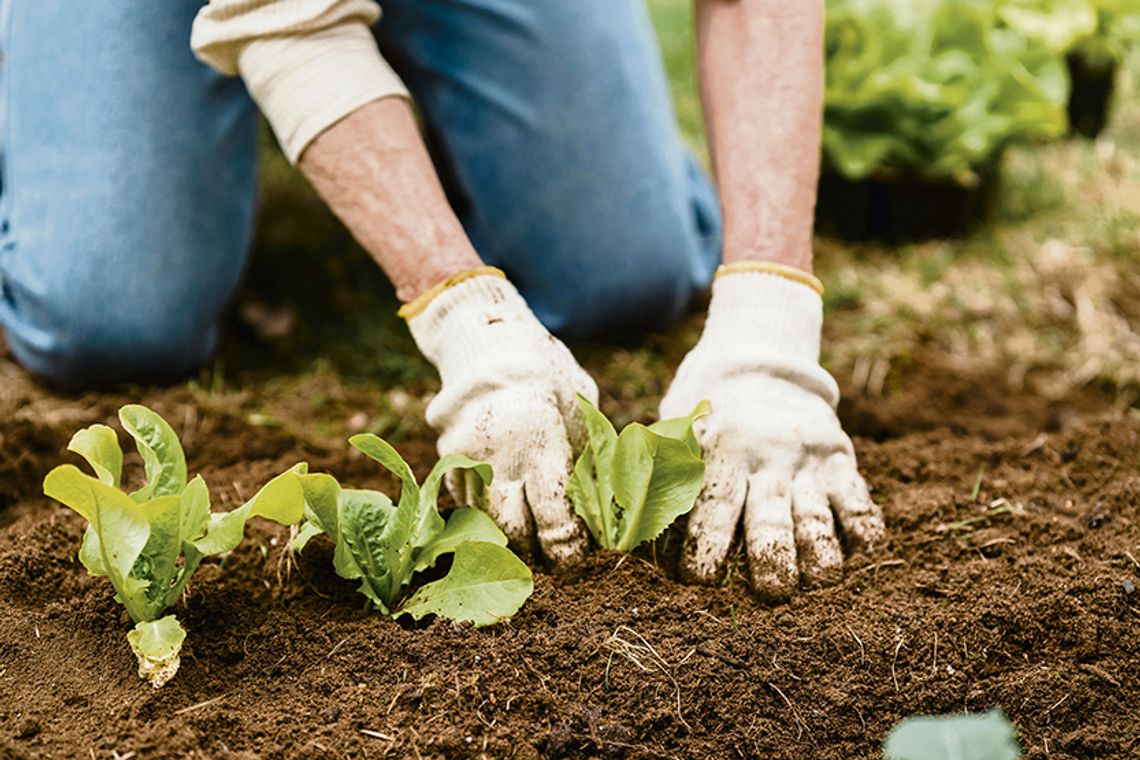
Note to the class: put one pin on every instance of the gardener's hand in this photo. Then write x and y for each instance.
(773, 446)
(508, 398)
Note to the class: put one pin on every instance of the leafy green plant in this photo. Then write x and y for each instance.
(629, 488)
(1100, 31)
(1118, 32)
(149, 542)
(933, 90)
(1056, 24)
(953, 737)
(384, 545)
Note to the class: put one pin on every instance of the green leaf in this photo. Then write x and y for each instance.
(655, 479)
(282, 500)
(195, 510)
(629, 488)
(589, 487)
(322, 503)
(586, 492)
(364, 516)
(382, 451)
(119, 528)
(681, 428)
(955, 737)
(157, 645)
(465, 524)
(430, 523)
(160, 450)
(306, 533)
(91, 553)
(164, 514)
(99, 445)
(383, 545)
(600, 433)
(486, 584)
(410, 517)
(1055, 24)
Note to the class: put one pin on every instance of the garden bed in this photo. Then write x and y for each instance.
(1014, 537)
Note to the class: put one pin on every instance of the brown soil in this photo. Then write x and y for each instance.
(1029, 609)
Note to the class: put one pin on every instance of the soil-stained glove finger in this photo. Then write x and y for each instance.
(713, 521)
(506, 504)
(819, 555)
(769, 534)
(860, 517)
(559, 532)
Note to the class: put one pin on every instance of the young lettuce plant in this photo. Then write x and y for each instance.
(149, 542)
(629, 488)
(384, 545)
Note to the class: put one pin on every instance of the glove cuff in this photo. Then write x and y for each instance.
(469, 317)
(765, 313)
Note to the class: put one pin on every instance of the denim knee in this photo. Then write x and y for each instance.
(640, 280)
(98, 336)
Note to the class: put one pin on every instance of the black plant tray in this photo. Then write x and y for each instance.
(901, 209)
(1091, 96)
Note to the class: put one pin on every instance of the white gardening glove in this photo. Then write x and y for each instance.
(509, 399)
(773, 446)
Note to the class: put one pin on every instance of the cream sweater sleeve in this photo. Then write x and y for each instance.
(307, 63)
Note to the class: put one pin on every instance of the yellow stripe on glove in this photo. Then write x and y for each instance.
(416, 307)
(771, 267)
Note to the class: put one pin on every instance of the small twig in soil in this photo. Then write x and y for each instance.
(338, 645)
(880, 565)
(200, 705)
(859, 641)
(1073, 553)
(799, 720)
(1056, 704)
(1035, 444)
(377, 735)
(969, 522)
(995, 542)
(776, 665)
(708, 614)
(894, 674)
(1134, 562)
(978, 483)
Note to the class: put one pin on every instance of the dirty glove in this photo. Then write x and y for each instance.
(773, 446)
(509, 399)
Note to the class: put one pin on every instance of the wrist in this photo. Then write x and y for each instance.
(418, 279)
(796, 256)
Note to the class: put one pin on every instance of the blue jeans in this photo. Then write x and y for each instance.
(129, 172)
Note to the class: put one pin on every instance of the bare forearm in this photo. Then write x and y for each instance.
(761, 75)
(373, 171)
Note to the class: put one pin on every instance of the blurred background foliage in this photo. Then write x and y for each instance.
(1041, 287)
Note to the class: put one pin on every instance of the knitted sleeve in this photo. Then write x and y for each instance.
(307, 63)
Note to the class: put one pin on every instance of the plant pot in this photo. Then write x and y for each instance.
(1091, 95)
(901, 209)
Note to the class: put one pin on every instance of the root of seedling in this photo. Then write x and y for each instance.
(647, 659)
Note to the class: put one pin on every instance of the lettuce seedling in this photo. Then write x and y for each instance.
(384, 545)
(629, 488)
(148, 543)
(953, 737)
